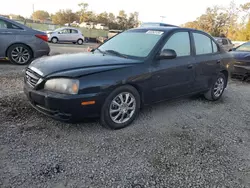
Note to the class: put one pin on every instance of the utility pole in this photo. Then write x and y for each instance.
(162, 18)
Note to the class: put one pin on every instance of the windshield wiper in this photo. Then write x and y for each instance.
(116, 53)
(100, 51)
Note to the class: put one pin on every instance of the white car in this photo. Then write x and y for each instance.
(66, 34)
(226, 43)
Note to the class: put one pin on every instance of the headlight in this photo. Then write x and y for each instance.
(62, 85)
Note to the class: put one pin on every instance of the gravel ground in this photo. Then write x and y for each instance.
(183, 143)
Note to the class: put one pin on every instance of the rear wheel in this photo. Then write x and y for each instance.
(120, 108)
(217, 88)
(19, 54)
(80, 41)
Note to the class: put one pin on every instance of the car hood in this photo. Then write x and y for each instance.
(239, 56)
(74, 65)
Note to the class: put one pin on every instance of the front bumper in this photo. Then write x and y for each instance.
(64, 107)
(240, 71)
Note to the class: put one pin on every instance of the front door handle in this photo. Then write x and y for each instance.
(190, 66)
(218, 61)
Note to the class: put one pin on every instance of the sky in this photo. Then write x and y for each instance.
(175, 11)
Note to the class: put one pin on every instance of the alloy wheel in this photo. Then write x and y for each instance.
(122, 107)
(20, 55)
(219, 87)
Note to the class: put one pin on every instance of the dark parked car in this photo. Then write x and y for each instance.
(21, 44)
(135, 68)
(241, 66)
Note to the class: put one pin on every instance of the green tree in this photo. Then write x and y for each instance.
(40, 15)
(17, 17)
(133, 20)
(214, 21)
(122, 20)
(64, 16)
(83, 13)
(103, 18)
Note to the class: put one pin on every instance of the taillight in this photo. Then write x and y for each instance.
(43, 37)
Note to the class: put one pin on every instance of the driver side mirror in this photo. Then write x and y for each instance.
(232, 49)
(167, 54)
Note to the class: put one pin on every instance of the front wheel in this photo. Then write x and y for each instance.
(217, 88)
(120, 108)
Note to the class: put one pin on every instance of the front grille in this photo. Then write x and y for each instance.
(32, 78)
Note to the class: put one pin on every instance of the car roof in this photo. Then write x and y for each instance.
(166, 29)
(157, 24)
(220, 37)
(68, 28)
(247, 42)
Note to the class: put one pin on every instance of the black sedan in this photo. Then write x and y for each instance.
(241, 66)
(135, 68)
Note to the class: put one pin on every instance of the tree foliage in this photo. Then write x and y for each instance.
(225, 21)
(40, 15)
(121, 21)
(64, 16)
(17, 17)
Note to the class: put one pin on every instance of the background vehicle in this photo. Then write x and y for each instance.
(101, 39)
(225, 43)
(137, 67)
(21, 44)
(241, 66)
(113, 33)
(156, 24)
(66, 34)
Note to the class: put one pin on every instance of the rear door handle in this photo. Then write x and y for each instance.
(218, 61)
(190, 66)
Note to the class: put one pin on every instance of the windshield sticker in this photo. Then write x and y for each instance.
(154, 32)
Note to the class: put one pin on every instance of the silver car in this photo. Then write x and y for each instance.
(21, 44)
(66, 34)
(226, 43)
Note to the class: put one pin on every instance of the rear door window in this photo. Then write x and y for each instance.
(203, 44)
(64, 31)
(8, 25)
(73, 31)
(3, 25)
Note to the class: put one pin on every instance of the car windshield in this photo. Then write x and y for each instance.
(58, 29)
(244, 47)
(138, 43)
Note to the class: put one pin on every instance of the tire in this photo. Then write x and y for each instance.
(215, 94)
(54, 40)
(126, 110)
(79, 41)
(19, 54)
